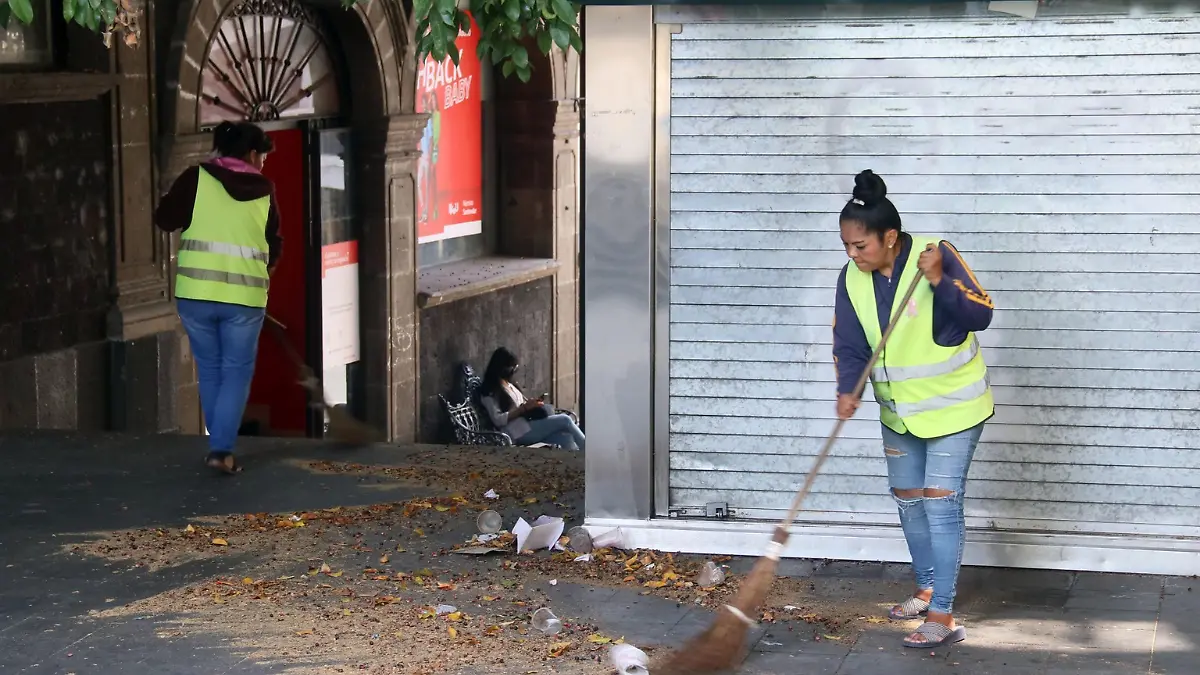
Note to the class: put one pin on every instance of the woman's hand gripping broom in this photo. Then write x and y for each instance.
(723, 646)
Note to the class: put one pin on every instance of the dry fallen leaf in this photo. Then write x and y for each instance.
(325, 568)
(383, 559)
(248, 581)
(655, 584)
(304, 632)
(219, 542)
(876, 619)
(529, 500)
(441, 508)
(558, 649)
(454, 616)
(453, 633)
(443, 586)
(189, 529)
(419, 532)
(599, 639)
(489, 598)
(400, 549)
(337, 574)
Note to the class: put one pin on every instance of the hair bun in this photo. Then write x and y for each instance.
(225, 134)
(869, 188)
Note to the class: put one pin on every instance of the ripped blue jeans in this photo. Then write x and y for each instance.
(933, 526)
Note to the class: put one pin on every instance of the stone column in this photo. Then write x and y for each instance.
(387, 153)
(539, 143)
(142, 334)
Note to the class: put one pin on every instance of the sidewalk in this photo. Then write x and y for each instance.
(103, 575)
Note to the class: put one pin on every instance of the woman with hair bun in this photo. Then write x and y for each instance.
(229, 246)
(931, 385)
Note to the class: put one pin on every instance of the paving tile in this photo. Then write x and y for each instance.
(975, 656)
(802, 640)
(787, 663)
(843, 569)
(1097, 661)
(908, 662)
(976, 600)
(1129, 601)
(1006, 578)
(1117, 583)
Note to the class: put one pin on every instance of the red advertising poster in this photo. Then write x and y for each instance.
(450, 173)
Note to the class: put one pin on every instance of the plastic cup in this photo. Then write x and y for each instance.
(489, 522)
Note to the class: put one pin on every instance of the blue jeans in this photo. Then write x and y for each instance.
(933, 526)
(224, 339)
(557, 429)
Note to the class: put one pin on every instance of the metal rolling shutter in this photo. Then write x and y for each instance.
(1059, 155)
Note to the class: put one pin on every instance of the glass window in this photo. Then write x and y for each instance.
(269, 61)
(27, 45)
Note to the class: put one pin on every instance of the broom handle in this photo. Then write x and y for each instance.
(281, 337)
(858, 390)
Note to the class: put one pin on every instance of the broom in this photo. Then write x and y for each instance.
(342, 426)
(723, 646)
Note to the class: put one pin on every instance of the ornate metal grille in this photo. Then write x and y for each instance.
(268, 60)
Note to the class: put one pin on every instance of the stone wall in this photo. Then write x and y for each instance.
(56, 280)
(519, 318)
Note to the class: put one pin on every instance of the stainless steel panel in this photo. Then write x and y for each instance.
(662, 266)
(618, 250)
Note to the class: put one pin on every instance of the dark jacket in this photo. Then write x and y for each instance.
(174, 212)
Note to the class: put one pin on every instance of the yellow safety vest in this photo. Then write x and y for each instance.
(921, 387)
(223, 253)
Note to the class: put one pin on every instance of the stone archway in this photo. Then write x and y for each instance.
(372, 41)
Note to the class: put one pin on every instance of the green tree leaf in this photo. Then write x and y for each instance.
(523, 73)
(68, 10)
(6, 14)
(564, 10)
(22, 10)
(108, 12)
(512, 9)
(507, 68)
(543, 39)
(520, 57)
(561, 35)
(576, 40)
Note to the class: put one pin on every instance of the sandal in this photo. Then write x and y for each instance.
(912, 608)
(223, 462)
(934, 634)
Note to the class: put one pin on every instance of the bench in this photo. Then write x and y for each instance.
(472, 426)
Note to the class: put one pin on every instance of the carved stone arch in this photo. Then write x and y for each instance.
(371, 39)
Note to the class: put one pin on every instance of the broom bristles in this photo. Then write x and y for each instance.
(723, 646)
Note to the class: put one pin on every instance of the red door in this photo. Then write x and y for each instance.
(277, 400)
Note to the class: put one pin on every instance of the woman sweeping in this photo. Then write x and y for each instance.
(228, 248)
(931, 385)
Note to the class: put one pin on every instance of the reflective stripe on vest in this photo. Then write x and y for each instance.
(922, 388)
(223, 249)
(968, 393)
(223, 277)
(902, 373)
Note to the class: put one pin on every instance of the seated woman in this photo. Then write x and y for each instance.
(525, 421)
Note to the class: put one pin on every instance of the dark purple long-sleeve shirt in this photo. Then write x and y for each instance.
(960, 306)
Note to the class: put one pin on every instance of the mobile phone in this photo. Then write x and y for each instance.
(544, 396)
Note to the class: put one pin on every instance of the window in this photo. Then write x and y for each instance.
(28, 45)
(269, 61)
